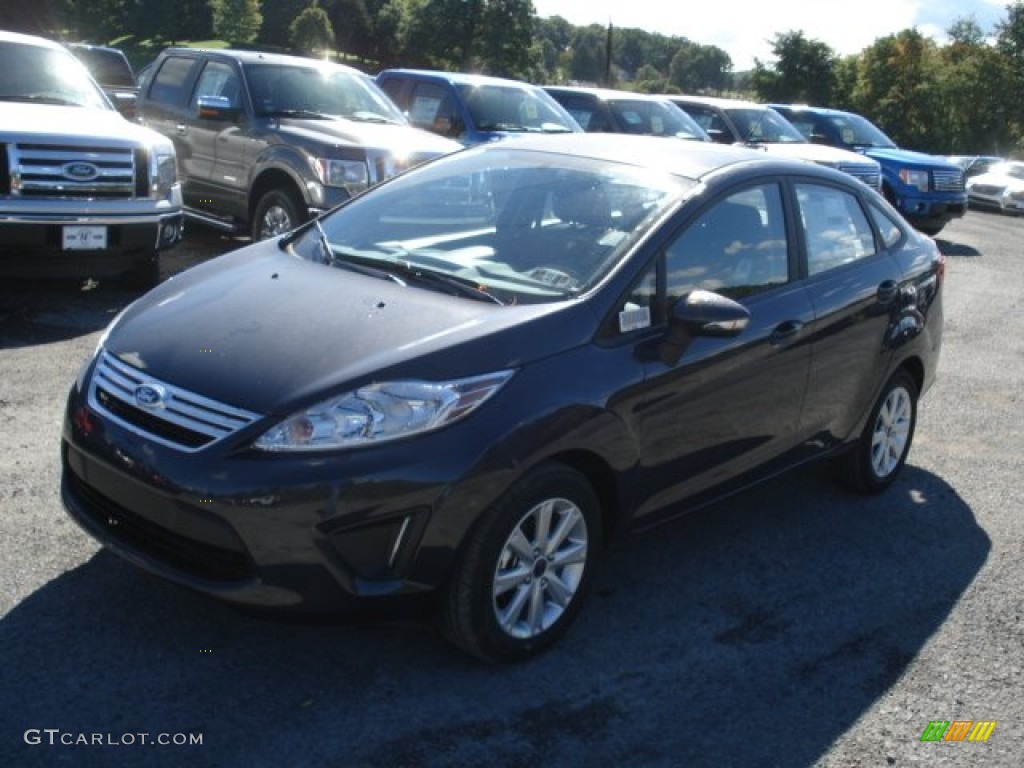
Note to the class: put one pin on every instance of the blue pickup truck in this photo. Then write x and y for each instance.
(927, 190)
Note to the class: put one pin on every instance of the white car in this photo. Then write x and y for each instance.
(1002, 187)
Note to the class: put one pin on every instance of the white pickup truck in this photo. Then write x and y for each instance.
(83, 192)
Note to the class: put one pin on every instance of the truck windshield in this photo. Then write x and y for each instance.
(287, 89)
(512, 108)
(655, 118)
(856, 132)
(765, 126)
(31, 73)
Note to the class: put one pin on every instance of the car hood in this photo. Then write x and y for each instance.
(816, 153)
(996, 180)
(910, 158)
(263, 330)
(58, 123)
(388, 137)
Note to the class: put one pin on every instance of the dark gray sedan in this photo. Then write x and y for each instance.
(456, 388)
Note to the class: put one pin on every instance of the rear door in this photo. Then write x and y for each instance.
(855, 285)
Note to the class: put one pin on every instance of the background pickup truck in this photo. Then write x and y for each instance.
(928, 190)
(83, 192)
(110, 68)
(266, 141)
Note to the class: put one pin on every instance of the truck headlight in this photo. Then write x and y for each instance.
(914, 178)
(351, 175)
(381, 412)
(163, 171)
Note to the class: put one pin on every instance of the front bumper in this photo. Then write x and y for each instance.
(34, 246)
(292, 534)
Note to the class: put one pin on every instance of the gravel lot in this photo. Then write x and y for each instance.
(791, 626)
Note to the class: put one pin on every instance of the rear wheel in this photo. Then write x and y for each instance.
(527, 567)
(875, 461)
(277, 212)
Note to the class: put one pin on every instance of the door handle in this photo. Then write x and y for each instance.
(785, 332)
(182, 129)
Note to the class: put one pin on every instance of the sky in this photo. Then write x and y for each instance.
(745, 28)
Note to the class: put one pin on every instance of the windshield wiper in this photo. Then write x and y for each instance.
(369, 117)
(404, 272)
(307, 113)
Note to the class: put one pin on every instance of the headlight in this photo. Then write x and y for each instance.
(163, 171)
(917, 179)
(351, 175)
(381, 412)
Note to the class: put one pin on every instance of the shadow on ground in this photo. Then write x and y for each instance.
(761, 627)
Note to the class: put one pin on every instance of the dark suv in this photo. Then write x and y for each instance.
(265, 141)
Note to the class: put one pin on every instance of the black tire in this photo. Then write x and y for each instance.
(277, 212)
(536, 611)
(144, 274)
(875, 461)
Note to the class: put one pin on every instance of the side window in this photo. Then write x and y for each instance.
(168, 84)
(736, 248)
(836, 230)
(890, 231)
(584, 111)
(219, 79)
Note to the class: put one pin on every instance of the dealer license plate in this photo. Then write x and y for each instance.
(82, 238)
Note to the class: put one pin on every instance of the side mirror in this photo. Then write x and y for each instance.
(216, 108)
(719, 136)
(701, 313)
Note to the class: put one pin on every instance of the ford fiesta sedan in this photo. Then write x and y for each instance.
(458, 387)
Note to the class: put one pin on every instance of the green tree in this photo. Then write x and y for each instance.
(1010, 43)
(311, 31)
(899, 88)
(350, 20)
(237, 21)
(803, 71)
(587, 54)
(278, 16)
(697, 67)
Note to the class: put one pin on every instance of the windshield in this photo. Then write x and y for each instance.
(32, 73)
(857, 132)
(655, 118)
(765, 126)
(514, 108)
(500, 225)
(288, 89)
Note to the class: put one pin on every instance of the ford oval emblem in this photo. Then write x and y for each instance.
(80, 171)
(150, 396)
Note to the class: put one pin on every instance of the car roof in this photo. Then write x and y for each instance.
(716, 101)
(459, 78)
(689, 159)
(809, 108)
(605, 93)
(17, 37)
(260, 57)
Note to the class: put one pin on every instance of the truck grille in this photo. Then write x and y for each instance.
(869, 174)
(178, 419)
(74, 171)
(948, 181)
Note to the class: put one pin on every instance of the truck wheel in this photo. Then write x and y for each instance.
(145, 273)
(276, 213)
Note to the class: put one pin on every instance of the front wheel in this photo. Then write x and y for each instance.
(527, 567)
(874, 462)
(277, 212)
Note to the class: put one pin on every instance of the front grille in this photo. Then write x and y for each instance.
(38, 170)
(948, 181)
(869, 174)
(199, 558)
(178, 419)
(987, 189)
